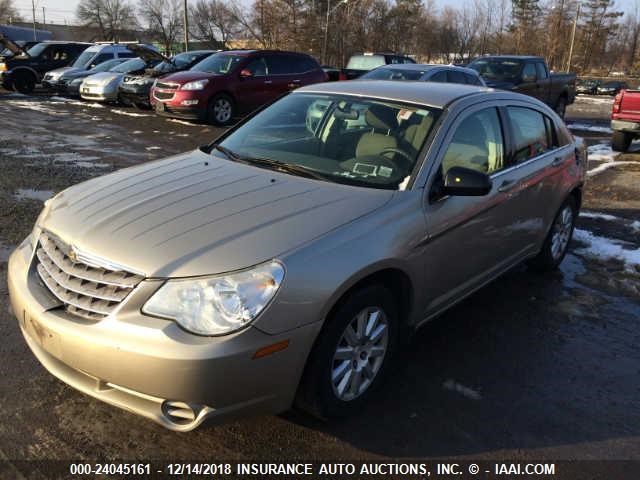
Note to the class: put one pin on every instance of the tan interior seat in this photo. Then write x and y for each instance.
(382, 121)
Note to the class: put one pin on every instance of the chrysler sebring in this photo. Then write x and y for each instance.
(283, 264)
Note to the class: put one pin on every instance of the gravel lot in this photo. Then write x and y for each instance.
(532, 366)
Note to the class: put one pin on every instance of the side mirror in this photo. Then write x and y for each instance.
(465, 182)
(246, 73)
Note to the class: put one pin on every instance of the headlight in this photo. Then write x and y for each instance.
(3, 67)
(217, 305)
(196, 85)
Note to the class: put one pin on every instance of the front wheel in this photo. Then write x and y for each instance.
(621, 141)
(557, 242)
(352, 355)
(221, 110)
(24, 83)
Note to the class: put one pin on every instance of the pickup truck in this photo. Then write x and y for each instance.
(361, 63)
(625, 119)
(529, 75)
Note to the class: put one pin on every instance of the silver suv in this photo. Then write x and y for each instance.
(284, 263)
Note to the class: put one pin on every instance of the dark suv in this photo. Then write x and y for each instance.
(233, 82)
(134, 89)
(27, 67)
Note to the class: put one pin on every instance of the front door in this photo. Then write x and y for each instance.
(472, 239)
(254, 91)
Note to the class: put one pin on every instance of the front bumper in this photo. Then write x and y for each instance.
(625, 126)
(134, 97)
(99, 93)
(140, 363)
(173, 105)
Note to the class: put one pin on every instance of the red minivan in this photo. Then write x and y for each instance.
(233, 82)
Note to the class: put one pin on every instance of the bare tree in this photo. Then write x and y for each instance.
(163, 20)
(8, 12)
(110, 17)
(214, 22)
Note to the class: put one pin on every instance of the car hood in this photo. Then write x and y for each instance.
(194, 214)
(105, 76)
(58, 72)
(188, 76)
(12, 46)
(147, 54)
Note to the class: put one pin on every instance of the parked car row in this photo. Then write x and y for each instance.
(597, 87)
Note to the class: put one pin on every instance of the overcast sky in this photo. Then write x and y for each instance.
(58, 11)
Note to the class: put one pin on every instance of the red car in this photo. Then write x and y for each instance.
(625, 119)
(233, 82)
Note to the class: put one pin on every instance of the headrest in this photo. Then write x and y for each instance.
(381, 117)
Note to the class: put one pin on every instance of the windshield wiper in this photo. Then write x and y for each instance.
(272, 164)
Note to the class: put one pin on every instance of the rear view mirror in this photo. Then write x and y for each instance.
(246, 73)
(462, 181)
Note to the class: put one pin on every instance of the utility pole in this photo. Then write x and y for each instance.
(44, 18)
(573, 37)
(326, 33)
(33, 12)
(186, 28)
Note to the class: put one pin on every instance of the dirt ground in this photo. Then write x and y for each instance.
(530, 367)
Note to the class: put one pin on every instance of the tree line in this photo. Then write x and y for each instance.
(588, 36)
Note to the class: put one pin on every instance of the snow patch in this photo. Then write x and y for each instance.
(608, 249)
(32, 194)
(589, 128)
(182, 122)
(600, 216)
(130, 114)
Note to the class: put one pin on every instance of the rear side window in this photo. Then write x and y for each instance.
(472, 79)
(282, 64)
(454, 76)
(542, 72)
(531, 137)
(439, 77)
(477, 144)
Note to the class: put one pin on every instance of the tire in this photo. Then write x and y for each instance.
(24, 83)
(221, 110)
(360, 358)
(561, 107)
(621, 141)
(556, 244)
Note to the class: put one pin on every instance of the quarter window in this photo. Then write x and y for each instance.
(477, 144)
(529, 133)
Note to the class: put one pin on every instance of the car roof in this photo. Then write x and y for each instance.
(437, 95)
(65, 42)
(509, 57)
(420, 67)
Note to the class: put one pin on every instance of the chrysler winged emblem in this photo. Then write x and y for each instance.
(73, 255)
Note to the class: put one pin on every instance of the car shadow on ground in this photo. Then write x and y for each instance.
(508, 368)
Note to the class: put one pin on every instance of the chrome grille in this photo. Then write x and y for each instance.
(163, 95)
(167, 86)
(86, 290)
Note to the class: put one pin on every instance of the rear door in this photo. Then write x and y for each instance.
(285, 73)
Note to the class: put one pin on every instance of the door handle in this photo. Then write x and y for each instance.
(268, 82)
(557, 162)
(507, 185)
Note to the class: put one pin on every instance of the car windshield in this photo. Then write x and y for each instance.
(343, 139)
(497, 69)
(130, 66)
(220, 63)
(393, 74)
(365, 62)
(37, 49)
(84, 58)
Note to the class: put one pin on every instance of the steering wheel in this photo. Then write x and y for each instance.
(400, 152)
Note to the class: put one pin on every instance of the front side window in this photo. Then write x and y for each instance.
(529, 73)
(477, 144)
(130, 66)
(541, 71)
(84, 59)
(454, 76)
(530, 133)
(336, 138)
(258, 67)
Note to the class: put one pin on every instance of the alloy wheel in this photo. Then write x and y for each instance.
(222, 110)
(561, 232)
(360, 353)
